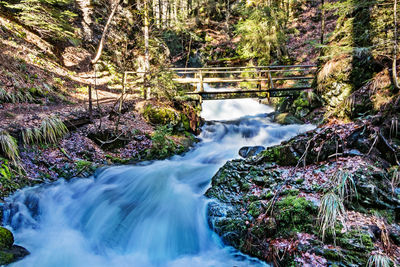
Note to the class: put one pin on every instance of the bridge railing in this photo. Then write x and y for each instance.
(274, 78)
(265, 77)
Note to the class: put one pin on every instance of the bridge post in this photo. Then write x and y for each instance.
(201, 81)
(270, 85)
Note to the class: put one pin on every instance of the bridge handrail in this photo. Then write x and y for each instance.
(248, 67)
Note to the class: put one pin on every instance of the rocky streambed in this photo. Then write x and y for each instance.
(273, 205)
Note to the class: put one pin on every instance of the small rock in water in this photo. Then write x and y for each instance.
(8, 251)
(250, 151)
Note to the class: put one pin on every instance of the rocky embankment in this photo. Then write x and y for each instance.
(325, 198)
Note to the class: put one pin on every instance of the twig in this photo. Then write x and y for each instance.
(108, 141)
(65, 153)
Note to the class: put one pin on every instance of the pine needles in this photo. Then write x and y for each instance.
(379, 260)
(9, 146)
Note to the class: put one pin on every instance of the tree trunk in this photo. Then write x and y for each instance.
(103, 36)
(146, 49)
(322, 21)
(99, 51)
(395, 48)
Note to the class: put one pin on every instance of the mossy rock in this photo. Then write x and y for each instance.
(6, 258)
(6, 238)
(283, 155)
(160, 115)
(287, 118)
(295, 214)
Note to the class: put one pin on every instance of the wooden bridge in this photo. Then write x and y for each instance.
(243, 82)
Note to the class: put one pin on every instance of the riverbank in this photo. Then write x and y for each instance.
(145, 130)
(327, 197)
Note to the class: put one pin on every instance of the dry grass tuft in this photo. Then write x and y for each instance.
(50, 131)
(9, 146)
(379, 260)
(330, 212)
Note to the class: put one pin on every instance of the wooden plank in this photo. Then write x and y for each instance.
(245, 91)
(243, 71)
(292, 78)
(255, 95)
(248, 67)
(216, 80)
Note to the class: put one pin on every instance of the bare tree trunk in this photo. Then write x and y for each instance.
(146, 50)
(104, 35)
(98, 54)
(394, 67)
(322, 21)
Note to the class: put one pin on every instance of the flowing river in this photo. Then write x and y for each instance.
(151, 214)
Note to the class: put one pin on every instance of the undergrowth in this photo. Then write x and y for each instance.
(9, 146)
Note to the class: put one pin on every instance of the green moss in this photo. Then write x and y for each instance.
(159, 115)
(281, 154)
(295, 214)
(299, 181)
(6, 238)
(269, 195)
(254, 209)
(389, 215)
(245, 187)
(83, 165)
(290, 192)
(356, 245)
(185, 122)
(332, 254)
(6, 258)
(286, 118)
(301, 102)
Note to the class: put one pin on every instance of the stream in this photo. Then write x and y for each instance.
(151, 214)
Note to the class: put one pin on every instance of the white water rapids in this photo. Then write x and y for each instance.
(153, 214)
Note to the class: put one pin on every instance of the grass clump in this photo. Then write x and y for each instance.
(50, 131)
(379, 260)
(9, 146)
(345, 185)
(330, 212)
(53, 129)
(395, 175)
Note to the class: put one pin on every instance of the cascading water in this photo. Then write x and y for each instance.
(153, 214)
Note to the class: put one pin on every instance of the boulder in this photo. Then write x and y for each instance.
(287, 118)
(250, 151)
(8, 251)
